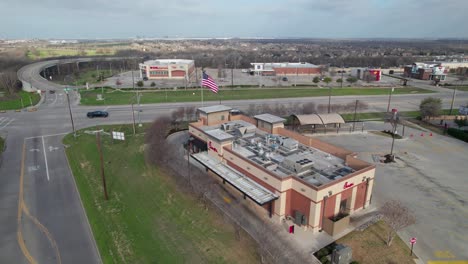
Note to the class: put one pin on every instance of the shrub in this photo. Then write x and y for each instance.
(153, 84)
(457, 133)
(140, 83)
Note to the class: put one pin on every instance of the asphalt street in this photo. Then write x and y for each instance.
(42, 217)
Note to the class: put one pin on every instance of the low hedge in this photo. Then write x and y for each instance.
(457, 133)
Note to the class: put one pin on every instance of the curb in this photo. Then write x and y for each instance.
(82, 207)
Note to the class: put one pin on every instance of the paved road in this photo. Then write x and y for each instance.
(38, 197)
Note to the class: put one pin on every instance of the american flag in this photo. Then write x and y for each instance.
(209, 82)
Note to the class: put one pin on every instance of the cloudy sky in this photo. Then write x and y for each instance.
(234, 18)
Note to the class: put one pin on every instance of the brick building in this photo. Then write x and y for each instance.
(424, 71)
(290, 175)
(167, 69)
(285, 68)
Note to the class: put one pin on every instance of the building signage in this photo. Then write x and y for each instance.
(210, 146)
(347, 185)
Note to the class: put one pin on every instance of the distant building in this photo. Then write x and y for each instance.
(167, 69)
(285, 68)
(290, 175)
(426, 71)
(367, 74)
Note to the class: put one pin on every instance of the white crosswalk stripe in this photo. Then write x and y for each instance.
(5, 121)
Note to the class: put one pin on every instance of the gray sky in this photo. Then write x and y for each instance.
(235, 18)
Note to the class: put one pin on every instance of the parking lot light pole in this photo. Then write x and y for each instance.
(329, 98)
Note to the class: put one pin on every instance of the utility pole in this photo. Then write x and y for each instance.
(133, 115)
(355, 111)
(329, 98)
(22, 104)
(453, 99)
(69, 110)
(342, 73)
(295, 79)
(98, 141)
(390, 98)
(232, 77)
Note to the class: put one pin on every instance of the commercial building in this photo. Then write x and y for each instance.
(425, 71)
(290, 175)
(367, 74)
(285, 68)
(167, 69)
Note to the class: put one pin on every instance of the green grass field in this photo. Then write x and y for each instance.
(14, 102)
(114, 97)
(381, 115)
(42, 53)
(147, 219)
(89, 76)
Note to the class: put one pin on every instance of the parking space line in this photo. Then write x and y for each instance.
(45, 158)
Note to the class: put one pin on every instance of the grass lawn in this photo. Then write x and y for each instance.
(459, 88)
(87, 76)
(14, 102)
(42, 53)
(2, 145)
(369, 246)
(147, 219)
(381, 115)
(114, 97)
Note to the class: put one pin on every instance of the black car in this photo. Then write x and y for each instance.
(97, 114)
(285, 79)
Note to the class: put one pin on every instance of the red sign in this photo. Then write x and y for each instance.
(211, 147)
(347, 185)
(413, 240)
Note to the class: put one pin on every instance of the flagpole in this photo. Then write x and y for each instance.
(201, 87)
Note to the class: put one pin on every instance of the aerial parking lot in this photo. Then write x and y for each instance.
(429, 176)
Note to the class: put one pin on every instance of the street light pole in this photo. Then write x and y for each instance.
(389, 98)
(329, 98)
(453, 99)
(355, 111)
(71, 116)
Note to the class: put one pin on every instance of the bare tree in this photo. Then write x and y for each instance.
(156, 141)
(397, 216)
(9, 82)
(309, 108)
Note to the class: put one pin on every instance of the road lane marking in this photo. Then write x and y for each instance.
(11, 120)
(45, 158)
(55, 99)
(19, 232)
(51, 135)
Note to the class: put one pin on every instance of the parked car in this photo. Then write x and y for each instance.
(97, 114)
(285, 79)
(51, 91)
(145, 78)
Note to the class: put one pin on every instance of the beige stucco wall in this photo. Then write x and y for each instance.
(217, 118)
